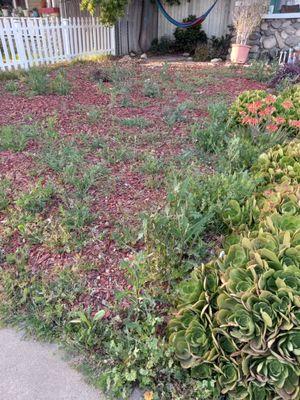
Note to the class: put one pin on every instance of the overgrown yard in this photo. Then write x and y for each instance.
(150, 221)
(79, 169)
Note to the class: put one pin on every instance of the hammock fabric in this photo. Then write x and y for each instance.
(190, 24)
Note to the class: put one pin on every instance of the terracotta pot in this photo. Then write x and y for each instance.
(239, 53)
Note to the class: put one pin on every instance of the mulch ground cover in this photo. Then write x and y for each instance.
(137, 134)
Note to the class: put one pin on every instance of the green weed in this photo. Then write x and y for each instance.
(58, 156)
(36, 199)
(37, 80)
(94, 115)
(12, 87)
(139, 122)
(151, 164)
(151, 89)
(60, 84)
(5, 186)
(16, 138)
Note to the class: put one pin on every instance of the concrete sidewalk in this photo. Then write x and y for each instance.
(31, 370)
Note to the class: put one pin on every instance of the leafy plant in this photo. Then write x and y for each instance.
(11, 86)
(94, 115)
(5, 185)
(261, 71)
(174, 236)
(140, 122)
(16, 138)
(36, 199)
(60, 84)
(37, 80)
(213, 136)
(188, 39)
(151, 89)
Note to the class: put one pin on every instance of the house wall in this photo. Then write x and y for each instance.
(33, 4)
(215, 24)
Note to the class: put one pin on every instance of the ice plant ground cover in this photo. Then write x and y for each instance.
(118, 180)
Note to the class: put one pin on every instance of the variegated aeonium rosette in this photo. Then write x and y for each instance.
(238, 320)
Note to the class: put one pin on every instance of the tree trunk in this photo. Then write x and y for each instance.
(138, 27)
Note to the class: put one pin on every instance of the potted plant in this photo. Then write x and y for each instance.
(247, 17)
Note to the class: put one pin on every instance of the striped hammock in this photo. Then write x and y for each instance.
(183, 25)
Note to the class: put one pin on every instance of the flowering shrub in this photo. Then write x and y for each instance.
(239, 315)
(253, 108)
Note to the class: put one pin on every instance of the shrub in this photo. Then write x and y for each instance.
(219, 46)
(289, 73)
(188, 39)
(238, 316)
(257, 108)
(202, 53)
(163, 45)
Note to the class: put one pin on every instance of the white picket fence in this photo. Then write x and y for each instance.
(25, 42)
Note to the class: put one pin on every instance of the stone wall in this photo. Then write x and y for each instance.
(274, 35)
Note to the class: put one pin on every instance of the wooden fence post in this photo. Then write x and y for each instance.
(20, 47)
(113, 40)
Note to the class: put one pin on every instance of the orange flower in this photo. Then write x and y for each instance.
(279, 120)
(250, 121)
(294, 123)
(270, 99)
(255, 106)
(287, 104)
(272, 128)
(148, 396)
(267, 111)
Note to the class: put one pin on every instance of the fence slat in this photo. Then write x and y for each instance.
(25, 42)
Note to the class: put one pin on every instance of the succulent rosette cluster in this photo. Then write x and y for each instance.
(238, 319)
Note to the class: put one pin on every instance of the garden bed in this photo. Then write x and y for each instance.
(136, 136)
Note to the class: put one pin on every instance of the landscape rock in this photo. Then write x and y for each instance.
(276, 23)
(279, 40)
(185, 54)
(144, 56)
(269, 42)
(292, 41)
(216, 60)
(190, 59)
(137, 394)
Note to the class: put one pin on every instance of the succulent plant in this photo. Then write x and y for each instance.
(238, 321)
